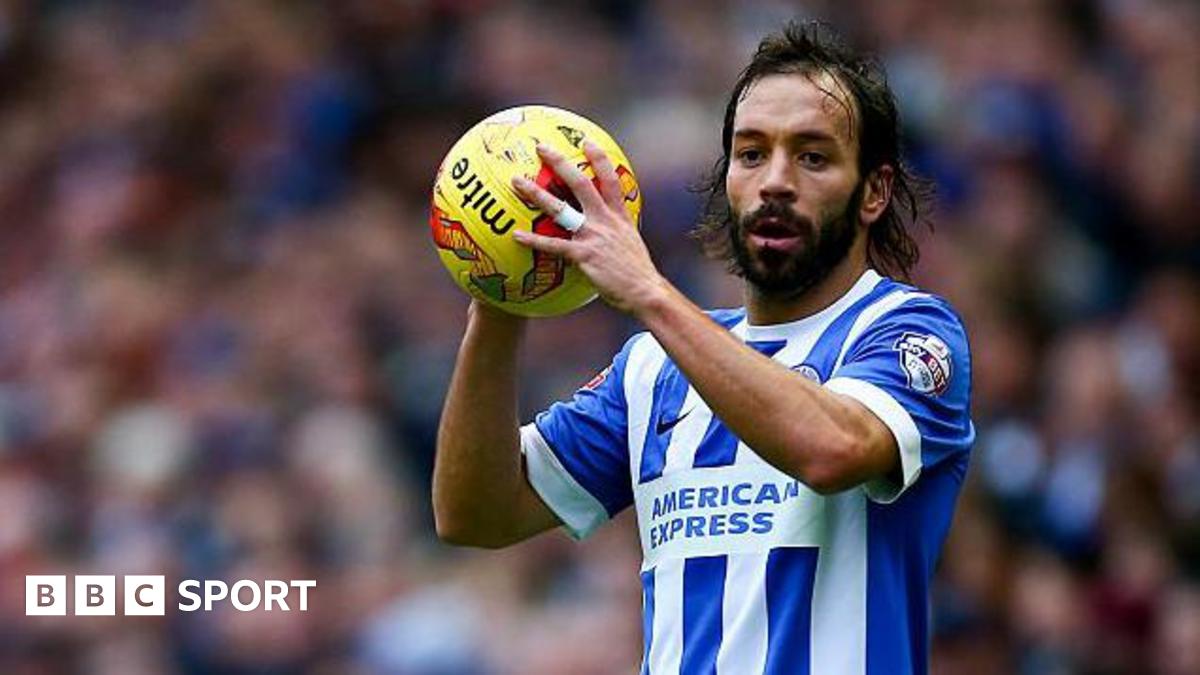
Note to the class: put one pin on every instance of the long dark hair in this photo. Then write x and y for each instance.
(814, 49)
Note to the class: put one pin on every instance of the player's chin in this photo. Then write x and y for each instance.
(768, 267)
(772, 275)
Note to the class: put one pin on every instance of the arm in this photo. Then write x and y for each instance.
(480, 494)
(827, 440)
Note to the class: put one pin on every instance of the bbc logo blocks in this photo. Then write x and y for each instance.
(45, 595)
(146, 595)
(95, 595)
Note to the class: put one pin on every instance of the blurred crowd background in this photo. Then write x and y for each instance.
(225, 334)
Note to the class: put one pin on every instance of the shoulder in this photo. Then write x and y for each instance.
(918, 331)
(639, 352)
(907, 307)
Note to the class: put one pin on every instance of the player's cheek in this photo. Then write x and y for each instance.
(739, 189)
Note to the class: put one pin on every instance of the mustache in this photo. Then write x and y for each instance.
(783, 217)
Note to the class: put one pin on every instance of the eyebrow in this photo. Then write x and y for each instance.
(809, 135)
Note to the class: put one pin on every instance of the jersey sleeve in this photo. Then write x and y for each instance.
(577, 453)
(912, 369)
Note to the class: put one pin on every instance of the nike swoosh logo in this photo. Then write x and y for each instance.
(663, 426)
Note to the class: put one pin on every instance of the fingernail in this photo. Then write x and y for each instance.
(519, 235)
(542, 147)
(520, 181)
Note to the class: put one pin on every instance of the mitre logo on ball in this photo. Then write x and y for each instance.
(475, 210)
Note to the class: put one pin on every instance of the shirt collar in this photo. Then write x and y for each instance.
(780, 331)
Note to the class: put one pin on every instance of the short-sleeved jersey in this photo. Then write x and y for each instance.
(746, 569)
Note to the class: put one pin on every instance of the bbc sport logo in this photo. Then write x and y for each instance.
(146, 595)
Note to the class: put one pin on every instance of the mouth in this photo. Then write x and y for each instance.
(775, 233)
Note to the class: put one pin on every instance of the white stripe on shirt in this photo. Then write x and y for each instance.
(666, 647)
(744, 615)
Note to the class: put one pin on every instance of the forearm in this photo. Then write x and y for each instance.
(801, 428)
(480, 495)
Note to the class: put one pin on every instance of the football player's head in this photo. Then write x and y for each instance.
(811, 169)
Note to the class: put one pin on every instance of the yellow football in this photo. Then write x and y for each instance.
(475, 210)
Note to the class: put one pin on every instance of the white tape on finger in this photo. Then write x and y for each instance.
(569, 218)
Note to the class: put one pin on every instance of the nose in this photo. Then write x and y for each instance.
(779, 179)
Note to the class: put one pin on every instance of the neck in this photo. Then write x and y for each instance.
(764, 310)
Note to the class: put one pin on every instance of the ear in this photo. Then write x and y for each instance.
(877, 193)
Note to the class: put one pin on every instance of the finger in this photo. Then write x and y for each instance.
(581, 187)
(551, 245)
(565, 215)
(606, 174)
(570, 219)
(537, 195)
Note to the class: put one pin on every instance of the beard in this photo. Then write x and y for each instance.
(783, 274)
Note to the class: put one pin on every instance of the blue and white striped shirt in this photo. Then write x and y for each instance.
(747, 570)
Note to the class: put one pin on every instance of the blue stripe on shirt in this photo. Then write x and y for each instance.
(703, 595)
(791, 572)
(904, 539)
(670, 388)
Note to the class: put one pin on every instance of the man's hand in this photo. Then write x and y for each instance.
(608, 248)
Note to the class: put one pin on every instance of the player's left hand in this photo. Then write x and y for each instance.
(608, 248)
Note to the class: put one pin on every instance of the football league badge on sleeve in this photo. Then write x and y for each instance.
(926, 362)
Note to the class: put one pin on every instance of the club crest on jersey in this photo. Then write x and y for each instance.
(926, 362)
